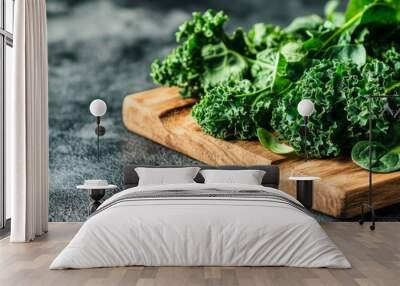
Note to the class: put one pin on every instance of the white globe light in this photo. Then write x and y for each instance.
(305, 107)
(98, 107)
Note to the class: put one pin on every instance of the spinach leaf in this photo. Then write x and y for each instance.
(356, 6)
(384, 160)
(361, 13)
(379, 14)
(269, 141)
(354, 53)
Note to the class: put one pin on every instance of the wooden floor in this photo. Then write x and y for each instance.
(375, 257)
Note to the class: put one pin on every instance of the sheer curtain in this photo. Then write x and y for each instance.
(27, 124)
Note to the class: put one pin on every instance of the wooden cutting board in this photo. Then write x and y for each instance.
(163, 116)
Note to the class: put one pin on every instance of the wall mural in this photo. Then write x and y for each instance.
(241, 72)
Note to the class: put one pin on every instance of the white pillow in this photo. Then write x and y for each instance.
(248, 177)
(165, 176)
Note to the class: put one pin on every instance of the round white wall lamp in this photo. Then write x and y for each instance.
(98, 108)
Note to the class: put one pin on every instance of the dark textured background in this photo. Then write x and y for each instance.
(103, 49)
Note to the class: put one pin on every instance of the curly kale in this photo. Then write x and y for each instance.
(232, 110)
(184, 66)
(255, 79)
(252, 100)
(206, 28)
(340, 92)
(206, 56)
(388, 53)
(392, 58)
(179, 69)
(326, 84)
(375, 77)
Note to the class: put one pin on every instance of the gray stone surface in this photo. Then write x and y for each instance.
(103, 49)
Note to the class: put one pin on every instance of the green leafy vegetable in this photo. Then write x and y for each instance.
(391, 57)
(357, 6)
(326, 84)
(330, 9)
(261, 37)
(230, 111)
(384, 160)
(205, 49)
(266, 68)
(250, 82)
(293, 52)
(334, 86)
(355, 53)
(304, 24)
(222, 63)
(372, 80)
(277, 69)
(331, 13)
(359, 14)
(269, 141)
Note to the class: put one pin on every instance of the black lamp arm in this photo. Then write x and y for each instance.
(100, 131)
(303, 134)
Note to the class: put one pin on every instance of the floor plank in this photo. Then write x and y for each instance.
(375, 257)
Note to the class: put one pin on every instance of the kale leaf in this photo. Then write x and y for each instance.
(326, 84)
(221, 64)
(262, 36)
(374, 77)
(184, 66)
(230, 110)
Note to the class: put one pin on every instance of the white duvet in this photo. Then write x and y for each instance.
(200, 231)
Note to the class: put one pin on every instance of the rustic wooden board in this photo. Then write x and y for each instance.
(164, 117)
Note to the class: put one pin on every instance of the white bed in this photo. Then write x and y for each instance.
(269, 229)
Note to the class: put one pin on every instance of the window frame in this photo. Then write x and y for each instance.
(6, 39)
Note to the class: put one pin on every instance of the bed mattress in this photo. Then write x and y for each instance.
(201, 225)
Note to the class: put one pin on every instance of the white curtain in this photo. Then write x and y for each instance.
(27, 124)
